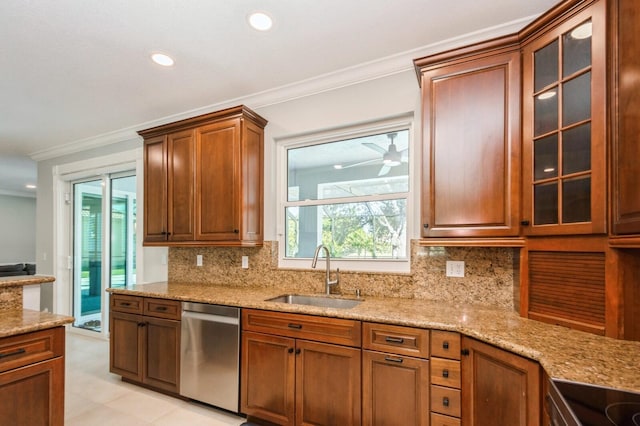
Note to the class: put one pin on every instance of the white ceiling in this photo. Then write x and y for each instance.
(73, 70)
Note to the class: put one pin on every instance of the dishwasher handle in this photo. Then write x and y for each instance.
(210, 318)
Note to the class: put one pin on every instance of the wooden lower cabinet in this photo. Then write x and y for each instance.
(287, 380)
(146, 348)
(499, 388)
(395, 375)
(395, 390)
(32, 378)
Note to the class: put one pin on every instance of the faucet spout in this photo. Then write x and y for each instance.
(327, 281)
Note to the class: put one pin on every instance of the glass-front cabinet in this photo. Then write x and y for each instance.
(564, 155)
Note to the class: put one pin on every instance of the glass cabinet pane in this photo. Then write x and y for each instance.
(576, 200)
(545, 66)
(546, 112)
(576, 149)
(576, 49)
(545, 202)
(545, 157)
(576, 99)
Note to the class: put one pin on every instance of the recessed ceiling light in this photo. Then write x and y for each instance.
(30, 186)
(260, 21)
(547, 95)
(162, 59)
(337, 166)
(583, 31)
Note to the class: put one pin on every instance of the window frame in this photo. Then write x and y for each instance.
(385, 125)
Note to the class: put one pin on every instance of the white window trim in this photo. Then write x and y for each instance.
(399, 122)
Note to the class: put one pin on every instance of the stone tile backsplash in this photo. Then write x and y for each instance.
(490, 274)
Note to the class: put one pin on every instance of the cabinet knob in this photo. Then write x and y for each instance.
(525, 223)
(445, 401)
(290, 350)
(465, 352)
(445, 374)
(236, 231)
(298, 351)
(425, 225)
(445, 345)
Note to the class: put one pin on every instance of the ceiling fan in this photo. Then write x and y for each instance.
(391, 157)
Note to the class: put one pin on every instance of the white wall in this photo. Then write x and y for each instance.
(17, 229)
(366, 101)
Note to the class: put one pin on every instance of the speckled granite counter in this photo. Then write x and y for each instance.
(22, 280)
(15, 320)
(19, 321)
(563, 353)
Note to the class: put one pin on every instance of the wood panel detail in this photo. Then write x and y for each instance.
(568, 288)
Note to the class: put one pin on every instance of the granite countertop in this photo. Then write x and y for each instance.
(19, 321)
(22, 280)
(563, 353)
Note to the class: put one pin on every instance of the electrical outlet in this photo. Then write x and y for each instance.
(199, 260)
(245, 262)
(455, 268)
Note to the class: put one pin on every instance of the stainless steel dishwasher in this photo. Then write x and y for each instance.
(210, 354)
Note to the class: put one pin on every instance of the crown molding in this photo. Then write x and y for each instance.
(361, 73)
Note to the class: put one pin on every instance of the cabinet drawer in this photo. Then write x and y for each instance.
(445, 401)
(322, 329)
(29, 348)
(445, 344)
(396, 339)
(162, 308)
(440, 420)
(126, 304)
(445, 372)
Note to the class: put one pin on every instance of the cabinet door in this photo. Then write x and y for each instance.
(161, 353)
(218, 181)
(564, 135)
(33, 395)
(327, 384)
(395, 390)
(126, 345)
(471, 151)
(499, 388)
(181, 159)
(625, 118)
(155, 189)
(268, 377)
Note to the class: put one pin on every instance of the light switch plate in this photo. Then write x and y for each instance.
(455, 268)
(199, 260)
(245, 262)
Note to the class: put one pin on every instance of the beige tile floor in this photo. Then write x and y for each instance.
(93, 396)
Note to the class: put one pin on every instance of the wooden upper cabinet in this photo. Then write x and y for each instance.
(204, 180)
(625, 116)
(471, 141)
(564, 121)
(181, 160)
(155, 189)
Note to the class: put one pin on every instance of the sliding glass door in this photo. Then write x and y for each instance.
(99, 263)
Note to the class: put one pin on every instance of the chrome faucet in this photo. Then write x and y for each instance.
(327, 281)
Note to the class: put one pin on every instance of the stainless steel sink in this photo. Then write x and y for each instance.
(320, 301)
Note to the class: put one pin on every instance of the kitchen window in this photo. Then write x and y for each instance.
(349, 190)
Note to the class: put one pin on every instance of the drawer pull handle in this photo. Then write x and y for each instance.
(445, 345)
(390, 339)
(125, 303)
(16, 352)
(445, 374)
(296, 326)
(445, 401)
(161, 308)
(393, 359)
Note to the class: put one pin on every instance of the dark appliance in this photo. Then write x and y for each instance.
(580, 404)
